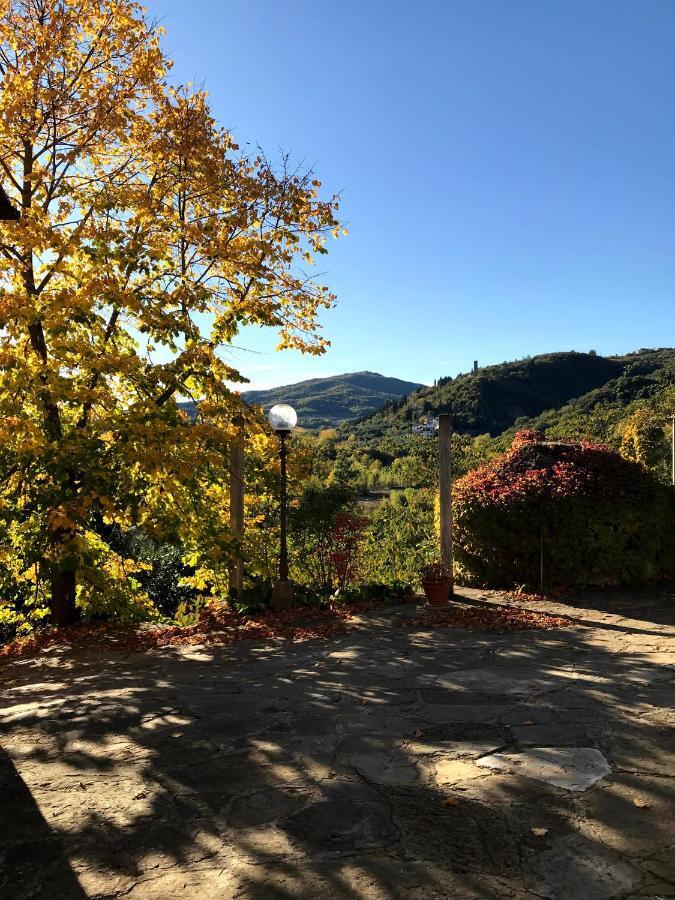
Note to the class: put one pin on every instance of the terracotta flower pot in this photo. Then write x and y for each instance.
(437, 592)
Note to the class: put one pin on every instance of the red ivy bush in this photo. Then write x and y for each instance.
(327, 536)
(602, 519)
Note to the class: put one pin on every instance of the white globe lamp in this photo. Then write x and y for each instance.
(282, 417)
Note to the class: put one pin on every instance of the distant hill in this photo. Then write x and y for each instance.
(496, 397)
(327, 402)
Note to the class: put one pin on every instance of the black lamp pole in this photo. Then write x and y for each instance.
(283, 419)
(283, 552)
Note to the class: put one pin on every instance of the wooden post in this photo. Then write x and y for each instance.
(237, 502)
(445, 490)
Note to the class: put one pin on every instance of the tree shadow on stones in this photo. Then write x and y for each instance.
(317, 769)
(26, 840)
(654, 604)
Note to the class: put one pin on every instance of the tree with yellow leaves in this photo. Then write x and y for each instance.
(145, 241)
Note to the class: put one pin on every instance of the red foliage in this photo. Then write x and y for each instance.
(346, 536)
(526, 436)
(538, 469)
(591, 516)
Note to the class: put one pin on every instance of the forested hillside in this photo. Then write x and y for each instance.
(495, 398)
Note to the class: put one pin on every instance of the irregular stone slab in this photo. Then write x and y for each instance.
(265, 806)
(341, 825)
(424, 746)
(647, 750)
(526, 804)
(450, 771)
(383, 768)
(560, 733)
(365, 743)
(498, 681)
(572, 768)
(634, 814)
(369, 723)
(460, 836)
(442, 714)
(576, 868)
(378, 759)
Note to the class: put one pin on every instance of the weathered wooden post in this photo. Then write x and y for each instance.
(237, 501)
(445, 491)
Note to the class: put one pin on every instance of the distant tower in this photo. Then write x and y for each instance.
(475, 366)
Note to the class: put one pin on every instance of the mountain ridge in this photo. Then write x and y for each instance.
(332, 400)
(496, 398)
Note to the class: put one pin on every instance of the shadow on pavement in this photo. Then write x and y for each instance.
(27, 841)
(341, 769)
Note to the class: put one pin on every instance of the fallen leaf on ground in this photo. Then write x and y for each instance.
(450, 801)
(500, 619)
(539, 832)
(640, 803)
(218, 624)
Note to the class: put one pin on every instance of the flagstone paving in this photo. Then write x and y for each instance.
(388, 762)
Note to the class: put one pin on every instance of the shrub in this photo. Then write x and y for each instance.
(394, 592)
(600, 519)
(21, 609)
(161, 569)
(401, 537)
(327, 534)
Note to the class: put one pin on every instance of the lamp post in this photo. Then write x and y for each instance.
(283, 420)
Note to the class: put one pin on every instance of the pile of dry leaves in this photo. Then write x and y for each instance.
(499, 619)
(215, 626)
(218, 624)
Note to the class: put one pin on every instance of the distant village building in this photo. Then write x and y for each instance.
(428, 425)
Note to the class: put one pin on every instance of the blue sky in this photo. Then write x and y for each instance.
(507, 168)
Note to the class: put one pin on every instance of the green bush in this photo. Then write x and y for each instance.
(599, 519)
(161, 578)
(401, 537)
(377, 590)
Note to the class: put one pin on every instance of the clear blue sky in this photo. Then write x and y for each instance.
(507, 168)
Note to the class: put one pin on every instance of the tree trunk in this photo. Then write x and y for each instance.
(62, 602)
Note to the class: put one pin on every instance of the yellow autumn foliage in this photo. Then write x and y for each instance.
(146, 241)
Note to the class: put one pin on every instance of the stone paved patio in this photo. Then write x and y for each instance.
(389, 762)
